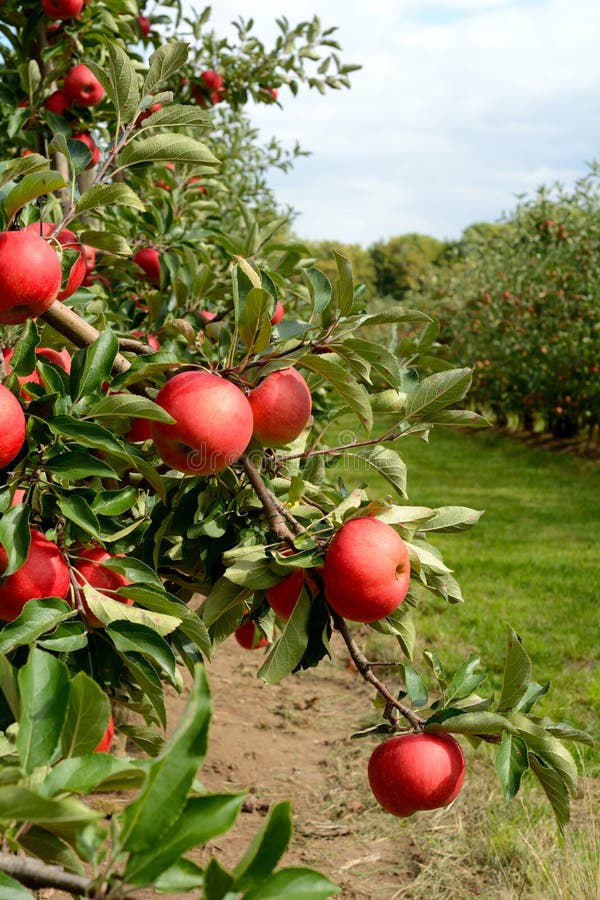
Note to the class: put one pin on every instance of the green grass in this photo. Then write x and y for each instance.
(532, 561)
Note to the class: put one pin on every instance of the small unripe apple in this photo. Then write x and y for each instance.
(281, 407)
(416, 771)
(57, 102)
(86, 138)
(249, 636)
(12, 426)
(107, 738)
(82, 87)
(43, 574)
(148, 259)
(213, 423)
(62, 9)
(366, 570)
(89, 569)
(69, 241)
(30, 276)
(278, 314)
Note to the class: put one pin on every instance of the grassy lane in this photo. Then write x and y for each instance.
(532, 560)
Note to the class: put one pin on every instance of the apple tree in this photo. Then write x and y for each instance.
(178, 380)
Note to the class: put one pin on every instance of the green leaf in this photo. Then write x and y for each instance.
(452, 518)
(353, 393)
(50, 848)
(9, 686)
(202, 819)
(108, 610)
(108, 241)
(88, 712)
(294, 884)
(132, 637)
(286, 653)
(511, 762)
(77, 510)
(217, 881)
(393, 316)
(182, 876)
(92, 772)
(129, 406)
(87, 433)
(170, 775)
(319, 288)
(22, 362)
(65, 817)
(124, 82)
(567, 732)
(415, 686)
(73, 465)
(144, 366)
(114, 503)
(135, 570)
(145, 675)
(517, 673)
(266, 849)
(384, 462)
(461, 418)
(66, 638)
(36, 618)
(15, 537)
(176, 148)
(533, 693)
(477, 722)
(177, 114)
(436, 392)
(344, 289)
(554, 788)
(547, 748)
(254, 321)
(169, 58)
(44, 685)
(222, 597)
(383, 360)
(191, 624)
(101, 195)
(13, 890)
(465, 680)
(30, 187)
(12, 168)
(92, 367)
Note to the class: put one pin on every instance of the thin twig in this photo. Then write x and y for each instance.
(35, 874)
(275, 518)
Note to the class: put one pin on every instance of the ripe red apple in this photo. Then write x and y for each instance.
(249, 636)
(145, 25)
(281, 407)
(89, 569)
(282, 597)
(140, 430)
(367, 570)
(12, 426)
(212, 80)
(30, 276)
(89, 255)
(82, 87)
(107, 738)
(43, 574)
(57, 102)
(86, 138)
(416, 771)
(213, 423)
(148, 259)
(62, 9)
(150, 338)
(278, 314)
(60, 358)
(69, 241)
(147, 113)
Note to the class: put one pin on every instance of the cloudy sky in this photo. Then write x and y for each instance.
(460, 106)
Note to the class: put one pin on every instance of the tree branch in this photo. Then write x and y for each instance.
(64, 320)
(35, 874)
(269, 502)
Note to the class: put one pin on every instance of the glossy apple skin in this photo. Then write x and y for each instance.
(416, 771)
(213, 423)
(281, 407)
(278, 314)
(12, 426)
(148, 259)
(89, 568)
(69, 240)
(62, 9)
(30, 276)
(249, 637)
(58, 102)
(366, 571)
(82, 87)
(107, 738)
(282, 597)
(44, 573)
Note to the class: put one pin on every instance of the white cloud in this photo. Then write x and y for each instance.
(460, 105)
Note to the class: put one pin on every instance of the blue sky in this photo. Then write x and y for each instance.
(460, 106)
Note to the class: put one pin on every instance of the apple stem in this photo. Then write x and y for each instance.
(365, 669)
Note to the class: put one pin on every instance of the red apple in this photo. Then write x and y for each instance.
(416, 771)
(43, 574)
(18, 497)
(12, 426)
(249, 636)
(367, 570)
(62, 9)
(213, 423)
(30, 276)
(107, 738)
(82, 87)
(282, 597)
(147, 113)
(140, 430)
(89, 255)
(145, 25)
(148, 259)
(60, 358)
(86, 138)
(281, 407)
(150, 338)
(89, 569)
(278, 314)
(212, 80)
(57, 102)
(69, 241)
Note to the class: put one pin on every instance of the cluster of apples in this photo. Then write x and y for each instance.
(210, 90)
